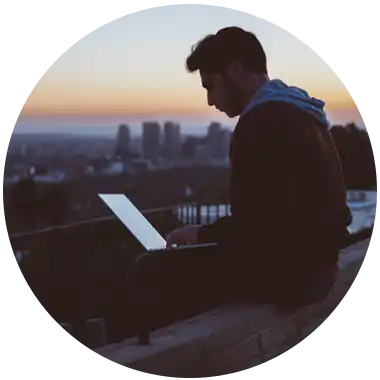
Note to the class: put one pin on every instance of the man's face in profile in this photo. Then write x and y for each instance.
(222, 93)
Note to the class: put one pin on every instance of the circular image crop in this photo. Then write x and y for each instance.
(189, 191)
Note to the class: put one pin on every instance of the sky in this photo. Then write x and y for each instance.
(133, 70)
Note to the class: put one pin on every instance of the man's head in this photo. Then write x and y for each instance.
(232, 65)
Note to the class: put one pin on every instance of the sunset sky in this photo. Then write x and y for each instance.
(133, 69)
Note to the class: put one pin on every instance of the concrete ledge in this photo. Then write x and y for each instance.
(234, 337)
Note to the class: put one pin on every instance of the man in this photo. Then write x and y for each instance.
(287, 191)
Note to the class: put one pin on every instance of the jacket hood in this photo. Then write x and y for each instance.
(277, 90)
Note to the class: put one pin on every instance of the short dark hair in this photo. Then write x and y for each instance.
(214, 53)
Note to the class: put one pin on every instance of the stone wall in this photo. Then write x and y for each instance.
(234, 337)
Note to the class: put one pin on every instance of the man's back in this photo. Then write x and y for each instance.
(287, 191)
(286, 176)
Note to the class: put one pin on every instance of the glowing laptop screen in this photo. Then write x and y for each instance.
(132, 218)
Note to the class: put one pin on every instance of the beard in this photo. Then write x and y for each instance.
(234, 98)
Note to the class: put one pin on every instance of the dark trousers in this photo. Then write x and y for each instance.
(168, 286)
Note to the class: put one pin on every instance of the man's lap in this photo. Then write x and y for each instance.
(226, 277)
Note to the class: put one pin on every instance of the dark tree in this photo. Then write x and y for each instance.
(54, 205)
(355, 151)
(24, 206)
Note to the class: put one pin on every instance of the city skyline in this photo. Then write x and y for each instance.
(132, 70)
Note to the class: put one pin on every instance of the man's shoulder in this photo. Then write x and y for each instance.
(277, 117)
(274, 109)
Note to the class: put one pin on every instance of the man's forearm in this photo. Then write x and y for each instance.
(228, 230)
(218, 232)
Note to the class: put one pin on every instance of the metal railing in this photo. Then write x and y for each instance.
(75, 269)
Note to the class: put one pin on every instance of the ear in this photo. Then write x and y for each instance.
(235, 70)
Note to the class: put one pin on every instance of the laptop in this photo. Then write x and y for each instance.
(138, 225)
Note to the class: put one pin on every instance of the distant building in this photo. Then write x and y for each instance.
(55, 176)
(113, 168)
(214, 130)
(172, 141)
(190, 145)
(225, 142)
(151, 134)
(218, 141)
(136, 145)
(123, 143)
(141, 164)
(202, 155)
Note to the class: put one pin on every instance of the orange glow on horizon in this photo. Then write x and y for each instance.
(164, 104)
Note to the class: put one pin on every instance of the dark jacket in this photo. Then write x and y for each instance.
(287, 190)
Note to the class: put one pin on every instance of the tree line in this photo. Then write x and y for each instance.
(355, 151)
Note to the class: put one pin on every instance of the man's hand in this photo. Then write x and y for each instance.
(183, 235)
